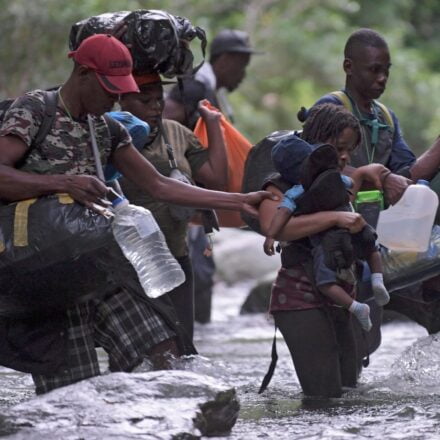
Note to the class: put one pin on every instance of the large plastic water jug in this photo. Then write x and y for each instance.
(144, 245)
(406, 226)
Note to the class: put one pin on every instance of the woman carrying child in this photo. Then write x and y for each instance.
(318, 332)
(318, 185)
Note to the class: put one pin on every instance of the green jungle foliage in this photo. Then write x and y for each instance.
(302, 40)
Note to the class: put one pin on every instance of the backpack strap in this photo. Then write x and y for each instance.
(346, 102)
(114, 132)
(50, 109)
(343, 97)
(4, 107)
(386, 113)
(113, 129)
(185, 106)
(273, 364)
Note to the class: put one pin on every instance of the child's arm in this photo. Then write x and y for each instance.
(306, 225)
(278, 222)
(281, 217)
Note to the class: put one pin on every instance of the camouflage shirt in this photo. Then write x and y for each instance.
(67, 147)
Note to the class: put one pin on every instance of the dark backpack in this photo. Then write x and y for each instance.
(258, 168)
(50, 107)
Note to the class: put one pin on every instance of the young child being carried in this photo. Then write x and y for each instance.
(318, 185)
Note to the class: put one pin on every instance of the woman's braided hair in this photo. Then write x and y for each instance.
(328, 121)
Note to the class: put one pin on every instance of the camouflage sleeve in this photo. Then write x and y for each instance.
(23, 118)
(124, 137)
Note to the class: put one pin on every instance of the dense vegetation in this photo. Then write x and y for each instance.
(302, 40)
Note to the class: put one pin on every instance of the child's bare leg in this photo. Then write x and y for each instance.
(340, 297)
(380, 292)
(337, 294)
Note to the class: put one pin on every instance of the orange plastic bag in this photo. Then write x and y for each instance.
(237, 149)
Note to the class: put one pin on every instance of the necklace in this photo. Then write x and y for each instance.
(75, 126)
(64, 104)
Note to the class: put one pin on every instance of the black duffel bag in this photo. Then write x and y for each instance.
(52, 251)
(404, 269)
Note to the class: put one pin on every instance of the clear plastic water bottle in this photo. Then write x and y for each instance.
(144, 245)
(406, 226)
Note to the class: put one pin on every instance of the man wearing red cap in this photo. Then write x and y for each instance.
(127, 327)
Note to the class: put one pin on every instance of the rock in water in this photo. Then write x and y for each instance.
(177, 405)
(239, 256)
(259, 296)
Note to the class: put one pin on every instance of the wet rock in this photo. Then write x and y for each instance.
(160, 405)
(239, 256)
(418, 304)
(259, 296)
(392, 316)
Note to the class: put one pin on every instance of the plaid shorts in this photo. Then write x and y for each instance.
(124, 326)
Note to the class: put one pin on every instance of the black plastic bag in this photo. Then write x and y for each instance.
(50, 249)
(158, 41)
(403, 269)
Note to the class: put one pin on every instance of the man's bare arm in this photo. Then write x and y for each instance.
(137, 169)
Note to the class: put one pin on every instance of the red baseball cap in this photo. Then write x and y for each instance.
(111, 61)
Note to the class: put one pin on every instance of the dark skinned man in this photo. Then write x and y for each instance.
(127, 327)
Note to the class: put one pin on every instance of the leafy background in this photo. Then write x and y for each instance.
(302, 40)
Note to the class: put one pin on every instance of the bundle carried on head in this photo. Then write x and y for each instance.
(158, 41)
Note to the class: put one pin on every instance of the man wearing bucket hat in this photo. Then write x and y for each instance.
(207, 166)
(126, 326)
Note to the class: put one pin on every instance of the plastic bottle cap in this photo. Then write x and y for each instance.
(423, 182)
(119, 202)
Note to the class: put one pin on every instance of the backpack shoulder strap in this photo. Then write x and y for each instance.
(343, 97)
(114, 130)
(273, 364)
(4, 107)
(50, 109)
(386, 113)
